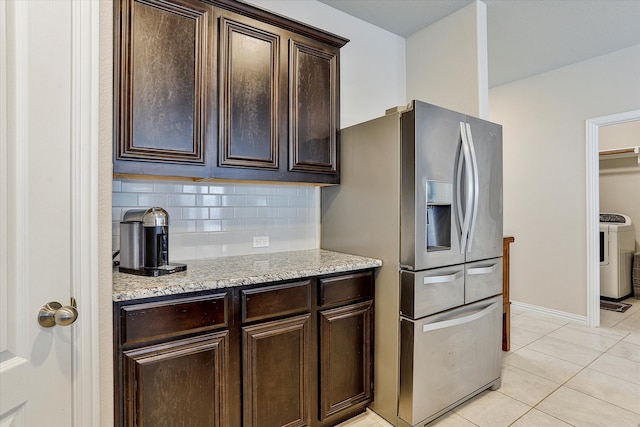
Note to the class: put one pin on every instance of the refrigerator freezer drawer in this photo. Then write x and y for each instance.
(447, 358)
(427, 292)
(483, 280)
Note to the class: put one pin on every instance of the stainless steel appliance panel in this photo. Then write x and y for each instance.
(447, 358)
(430, 144)
(485, 237)
(427, 292)
(483, 279)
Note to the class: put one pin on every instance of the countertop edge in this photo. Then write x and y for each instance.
(320, 262)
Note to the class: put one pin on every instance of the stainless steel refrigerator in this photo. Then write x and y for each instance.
(421, 189)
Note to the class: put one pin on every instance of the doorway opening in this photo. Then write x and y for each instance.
(593, 207)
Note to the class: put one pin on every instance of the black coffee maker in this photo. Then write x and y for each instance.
(144, 243)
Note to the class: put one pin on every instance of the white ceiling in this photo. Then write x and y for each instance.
(525, 37)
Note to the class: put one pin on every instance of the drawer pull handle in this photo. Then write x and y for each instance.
(461, 320)
(443, 279)
(482, 270)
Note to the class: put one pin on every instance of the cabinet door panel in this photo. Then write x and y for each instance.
(183, 382)
(249, 82)
(161, 85)
(276, 373)
(313, 109)
(345, 357)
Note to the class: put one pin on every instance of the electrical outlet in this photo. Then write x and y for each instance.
(261, 242)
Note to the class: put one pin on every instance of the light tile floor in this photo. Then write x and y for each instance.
(558, 373)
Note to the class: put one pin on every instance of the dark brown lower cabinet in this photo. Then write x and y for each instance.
(345, 358)
(180, 383)
(290, 353)
(276, 372)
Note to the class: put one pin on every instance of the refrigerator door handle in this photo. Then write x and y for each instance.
(476, 186)
(482, 270)
(460, 320)
(468, 170)
(442, 279)
(459, 212)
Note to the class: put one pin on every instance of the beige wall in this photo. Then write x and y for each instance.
(620, 178)
(543, 120)
(622, 135)
(447, 62)
(372, 64)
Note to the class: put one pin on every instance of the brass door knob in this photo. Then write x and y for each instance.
(53, 313)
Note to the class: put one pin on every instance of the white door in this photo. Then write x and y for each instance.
(42, 198)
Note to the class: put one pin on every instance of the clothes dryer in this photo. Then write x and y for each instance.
(617, 246)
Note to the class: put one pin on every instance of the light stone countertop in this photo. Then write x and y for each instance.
(224, 272)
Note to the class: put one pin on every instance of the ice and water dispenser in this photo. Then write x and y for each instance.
(439, 197)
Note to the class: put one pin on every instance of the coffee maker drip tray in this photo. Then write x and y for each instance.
(155, 271)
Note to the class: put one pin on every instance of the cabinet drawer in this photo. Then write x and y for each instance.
(276, 300)
(343, 289)
(162, 319)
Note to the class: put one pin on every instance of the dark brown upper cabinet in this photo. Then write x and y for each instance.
(313, 108)
(163, 70)
(250, 94)
(222, 89)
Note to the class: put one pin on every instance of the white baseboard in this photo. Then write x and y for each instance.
(550, 312)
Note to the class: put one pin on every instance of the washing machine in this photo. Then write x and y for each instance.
(617, 246)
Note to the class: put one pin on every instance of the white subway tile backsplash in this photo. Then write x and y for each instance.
(177, 253)
(182, 200)
(221, 213)
(208, 200)
(236, 225)
(167, 187)
(244, 189)
(257, 224)
(175, 213)
(137, 187)
(125, 199)
(233, 200)
(278, 200)
(290, 190)
(212, 220)
(287, 212)
(195, 189)
(267, 190)
(244, 213)
(257, 200)
(222, 189)
(208, 251)
(184, 226)
(195, 213)
(209, 225)
(267, 212)
(153, 200)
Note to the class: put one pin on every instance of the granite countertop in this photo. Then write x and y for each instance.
(216, 273)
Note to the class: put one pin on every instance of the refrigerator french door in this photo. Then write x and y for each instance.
(451, 196)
